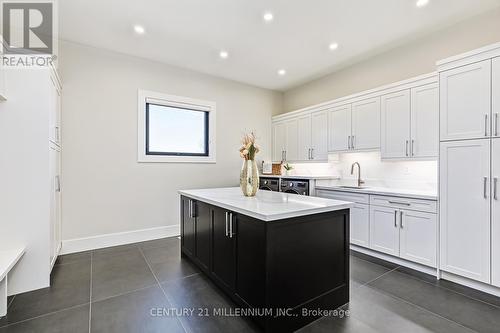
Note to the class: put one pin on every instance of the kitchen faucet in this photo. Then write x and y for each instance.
(360, 181)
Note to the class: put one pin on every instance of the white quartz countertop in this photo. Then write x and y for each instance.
(299, 177)
(404, 193)
(266, 205)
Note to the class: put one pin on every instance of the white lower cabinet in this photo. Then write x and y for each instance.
(495, 213)
(465, 208)
(384, 230)
(360, 225)
(418, 237)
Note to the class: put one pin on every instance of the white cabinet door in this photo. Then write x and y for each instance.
(465, 102)
(495, 213)
(418, 232)
(55, 202)
(366, 124)
(279, 141)
(395, 125)
(319, 136)
(339, 128)
(292, 140)
(465, 208)
(304, 138)
(384, 230)
(495, 70)
(360, 225)
(425, 121)
(54, 112)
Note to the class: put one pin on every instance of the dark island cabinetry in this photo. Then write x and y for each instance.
(281, 267)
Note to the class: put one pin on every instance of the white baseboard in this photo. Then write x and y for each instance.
(119, 238)
(484, 287)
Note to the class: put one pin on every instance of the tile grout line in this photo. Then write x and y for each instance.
(161, 287)
(378, 277)
(453, 291)
(90, 296)
(419, 307)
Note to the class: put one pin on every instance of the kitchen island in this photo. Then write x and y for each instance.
(284, 258)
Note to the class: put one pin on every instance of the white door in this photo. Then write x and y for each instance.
(360, 225)
(495, 213)
(366, 124)
(339, 128)
(384, 230)
(279, 140)
(465, 208)
(319, 137)
(425, 121)
(418, 232)
(495, 70)
(292, 140)
(465, 102)
(395, 125)
(304, 138)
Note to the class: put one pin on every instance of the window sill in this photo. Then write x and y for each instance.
(175, 159)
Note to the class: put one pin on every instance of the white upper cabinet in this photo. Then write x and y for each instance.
(279, 141)
(425, 121)
(395, 125)
(465, 208)
(495, 212)
(366, 124)
(304, 138)
(319, 136)
(292, 140)
(339, 128)
(495, 70)
(465, 97)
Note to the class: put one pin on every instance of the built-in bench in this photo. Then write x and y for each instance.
(8, 259)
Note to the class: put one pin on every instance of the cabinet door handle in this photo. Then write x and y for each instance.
(485, 185)
(400, 203)
(56, 129)
(495, 186)
(496, 124)
(406, 149)
(412, 147)
(312, 153)
(486, 125)
(349, 142)
(189, 209)
(352, 141)
(230, 225)
(395, 219)
(401, 218)
(227, 232)
(58, 183)
(309, 152)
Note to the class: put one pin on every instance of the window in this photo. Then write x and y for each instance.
(175, 129)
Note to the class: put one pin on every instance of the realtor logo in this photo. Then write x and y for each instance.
(27, 27)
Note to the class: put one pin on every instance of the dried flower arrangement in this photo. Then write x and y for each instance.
(248, 149)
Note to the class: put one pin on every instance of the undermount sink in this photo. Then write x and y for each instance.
(354, 187)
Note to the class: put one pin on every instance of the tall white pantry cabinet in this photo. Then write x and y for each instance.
(470, 165)
(30, 165)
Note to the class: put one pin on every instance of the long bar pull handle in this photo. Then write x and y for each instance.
(486, 125)
(412, 147)
(58, 184)
(399, 203)
(352, 141)
(495, 186)
(230, 225)
(485, 187)
(496, 124)
(227, 216)
(312, 153)
(349, 142)
(190, 209)
(401, 218)
(395, 219)
(406, 149)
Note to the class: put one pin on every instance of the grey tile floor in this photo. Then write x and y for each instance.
(115, 290)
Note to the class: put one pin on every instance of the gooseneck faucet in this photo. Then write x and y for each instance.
(360, 181)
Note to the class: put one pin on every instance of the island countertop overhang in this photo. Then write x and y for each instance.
(266, 205)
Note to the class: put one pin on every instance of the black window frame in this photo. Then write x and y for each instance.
(207, 134)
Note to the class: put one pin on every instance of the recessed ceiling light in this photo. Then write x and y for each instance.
(281, 72)
(333, 46)
(422, 3)
(139, 29)
(223, 54)
(268, 16)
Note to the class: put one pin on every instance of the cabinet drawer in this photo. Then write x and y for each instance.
(429, 206)
(345, 196)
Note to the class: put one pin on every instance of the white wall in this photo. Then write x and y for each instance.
(417, 175)
(403, 62)
(105, 190)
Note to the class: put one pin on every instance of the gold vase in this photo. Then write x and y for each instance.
(249, 178)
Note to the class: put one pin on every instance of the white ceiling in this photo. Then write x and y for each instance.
(190, 33)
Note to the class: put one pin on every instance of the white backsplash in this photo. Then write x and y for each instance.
(417, 175)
